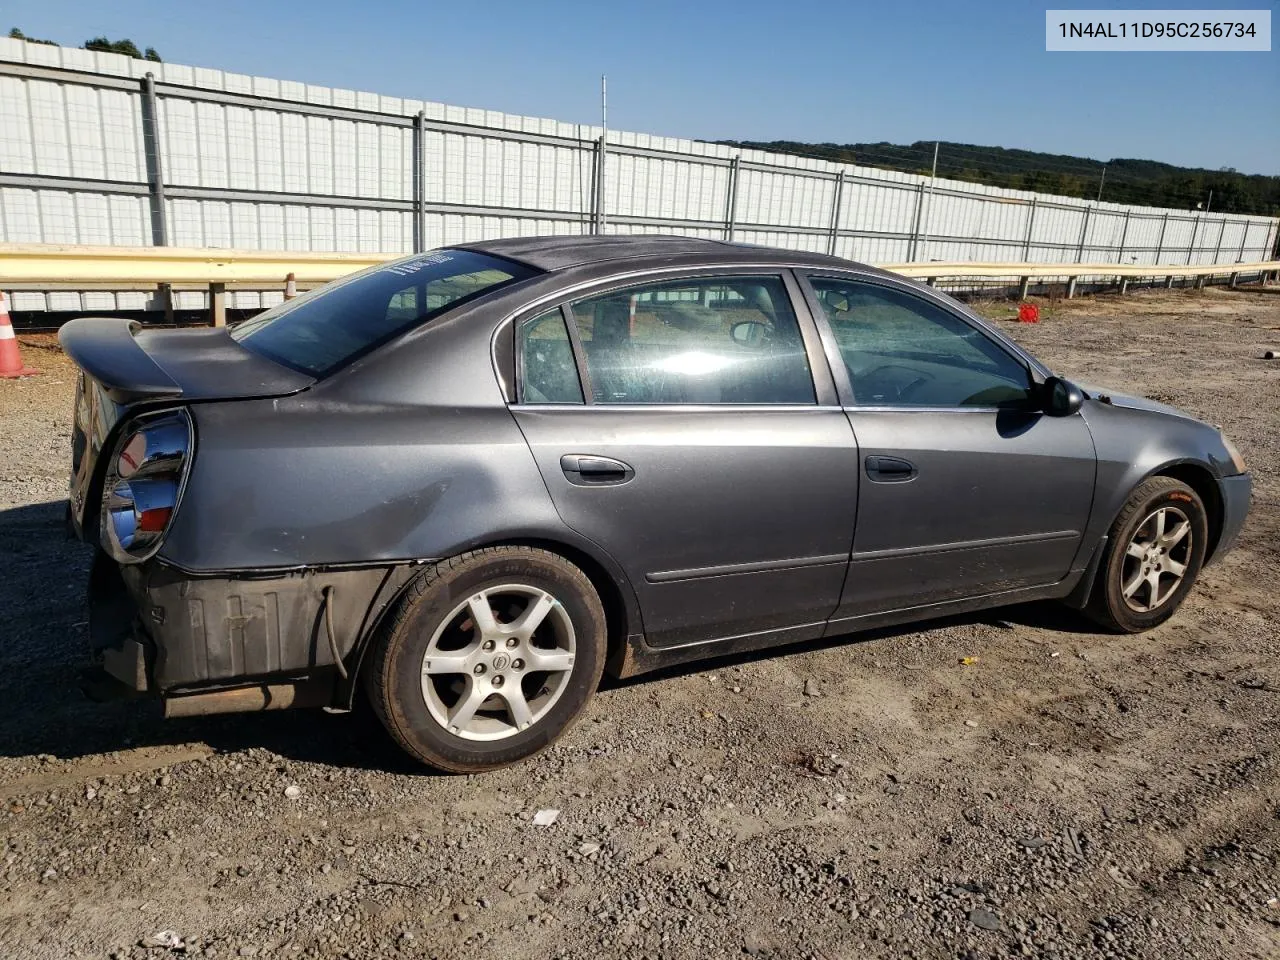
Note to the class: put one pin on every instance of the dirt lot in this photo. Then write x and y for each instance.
(1068, 794)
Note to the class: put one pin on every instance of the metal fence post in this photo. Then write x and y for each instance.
(1124, 235)
(1164, 225)
(1026, 242)
(915, 227)
(1084, 232)
(598, 185)
(1191, 247)
(1217, 251)
(419, 185)
(731, 199)
(835, 214)
(1268, 246)
(218, 304)
(155, 169)
(1243, 235)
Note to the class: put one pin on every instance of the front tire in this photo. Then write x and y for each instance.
(488, 658)
(1154, 554)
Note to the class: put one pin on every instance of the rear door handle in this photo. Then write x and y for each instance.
(586, 470)
(891, 469)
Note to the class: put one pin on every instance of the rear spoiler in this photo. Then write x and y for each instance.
(104, 348)
(134, 362)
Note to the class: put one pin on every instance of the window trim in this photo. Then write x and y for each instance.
(844, 385)
(584, 381)
(825, 392)
(579, 356)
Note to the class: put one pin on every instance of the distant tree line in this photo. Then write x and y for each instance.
(126, 47)
(1145, 182)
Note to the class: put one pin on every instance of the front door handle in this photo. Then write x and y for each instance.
(586, 470)
(890, 469)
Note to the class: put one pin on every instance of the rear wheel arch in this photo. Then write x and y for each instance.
(529, 684)
(622, 611)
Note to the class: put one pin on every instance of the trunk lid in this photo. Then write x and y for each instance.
(125, 366)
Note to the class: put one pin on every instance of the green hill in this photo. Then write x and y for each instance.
(1127, 181)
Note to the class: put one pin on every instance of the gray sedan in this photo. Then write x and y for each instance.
(470, 481)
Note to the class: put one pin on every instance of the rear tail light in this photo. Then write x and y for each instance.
(144, 481)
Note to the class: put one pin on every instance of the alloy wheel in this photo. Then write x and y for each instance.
(499, 662)
(1156, 559)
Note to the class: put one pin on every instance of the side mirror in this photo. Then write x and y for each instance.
(1061, 398)
(748, 332)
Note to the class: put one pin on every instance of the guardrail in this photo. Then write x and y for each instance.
(59, 267)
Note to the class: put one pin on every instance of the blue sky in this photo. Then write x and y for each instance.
(754, 70)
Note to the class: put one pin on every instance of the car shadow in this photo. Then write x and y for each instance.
(45, 645)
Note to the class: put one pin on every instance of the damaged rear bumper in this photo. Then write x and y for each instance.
(233, 642)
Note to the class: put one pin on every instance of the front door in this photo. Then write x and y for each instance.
(699, 455)
(968, 488)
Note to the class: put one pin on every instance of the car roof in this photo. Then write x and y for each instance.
(565, 252)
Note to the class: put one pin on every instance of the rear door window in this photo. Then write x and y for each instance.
(548, 373)
(710, 340)
(333, 325)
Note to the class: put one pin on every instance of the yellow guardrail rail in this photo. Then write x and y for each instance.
(1041, 271)
(28, 264)
(64, 267)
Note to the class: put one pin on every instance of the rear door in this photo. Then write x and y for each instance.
(702, 455)
(968, 488)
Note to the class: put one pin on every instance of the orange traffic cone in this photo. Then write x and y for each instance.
(10, 357)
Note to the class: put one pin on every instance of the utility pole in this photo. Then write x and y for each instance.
(601, 149)
(924, 225)
(1209, 204)
(1101, 181)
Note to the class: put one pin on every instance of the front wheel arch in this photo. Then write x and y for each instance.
(1194, 473)
(1199, 478)
(1151, 498)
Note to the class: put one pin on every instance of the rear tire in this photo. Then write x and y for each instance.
(488, 658)
(1155, 551)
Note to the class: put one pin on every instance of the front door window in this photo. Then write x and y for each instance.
(904, 351)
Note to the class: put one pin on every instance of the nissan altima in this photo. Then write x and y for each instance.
(470, 481)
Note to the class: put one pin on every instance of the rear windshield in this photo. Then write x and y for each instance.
(329, 327)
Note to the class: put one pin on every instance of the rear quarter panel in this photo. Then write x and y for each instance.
(410, 453)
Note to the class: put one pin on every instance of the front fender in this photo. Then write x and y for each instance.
(1133, 444)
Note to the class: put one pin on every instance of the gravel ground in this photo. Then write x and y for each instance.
(1065, 794)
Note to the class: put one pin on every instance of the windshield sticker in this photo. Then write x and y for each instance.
(407, 268)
